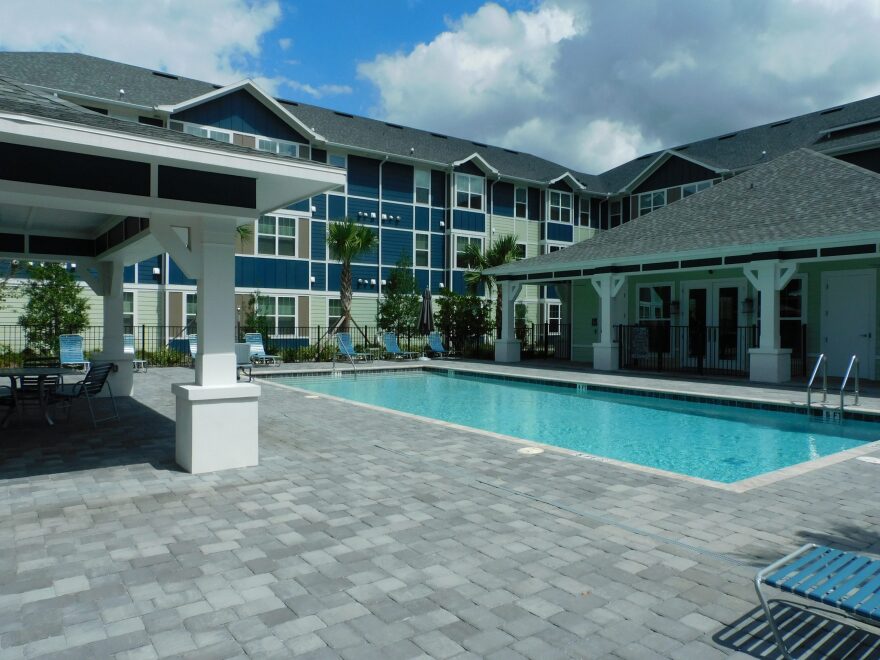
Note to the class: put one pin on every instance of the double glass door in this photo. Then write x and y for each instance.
(714, 318)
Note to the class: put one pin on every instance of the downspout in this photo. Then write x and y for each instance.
(450, 256)
(379, 222)
(492, 212)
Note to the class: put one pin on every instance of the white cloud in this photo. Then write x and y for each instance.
(320, 90)
(592, 84)
(285, 43)
(214, 40)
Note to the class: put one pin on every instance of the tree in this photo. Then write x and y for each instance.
(502, 251)
(7, 271)
(56, 306)
(462, 319)
(400, 306)
(255, 320)
(346, 240)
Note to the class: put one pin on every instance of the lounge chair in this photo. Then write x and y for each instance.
(71, 352)
(392, 348)
(243, 364)
(258, 353)
(345, 348)
(845, 581)
(128, 349)
(436, 347)
(88, 388)
(193, 348)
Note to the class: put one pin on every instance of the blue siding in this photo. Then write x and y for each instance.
(422, 276)
(503, 202)
(422, 218)
(320, 204)
(319, 241)
(437, 216)
(436, 279)
(559, 232)
(271, 273)
(365, 272)
(128, 275)
(319, 272)
(393, 210)
(363, 177)
(145, 269)
(240, 112)
(468, 220)
(303, 205)
(366, 206)
(396, 244)
(397, 182)
(335, 207)
(176, 276)
(371, 256)
(458, 285)
(437, 244)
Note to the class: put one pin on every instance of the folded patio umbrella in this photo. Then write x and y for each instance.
(426, 314)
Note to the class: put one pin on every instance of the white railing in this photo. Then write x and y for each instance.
(853, 362)
(821, 362)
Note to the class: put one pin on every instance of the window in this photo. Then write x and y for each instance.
(128, 312)
(554, 318)
(585, 212)
(280, 311)
(468, 191)
(655, 315)
(651, 201)
(205, 131)
(283, 147)
(692, 188)
(334, 312)
(520, 253)
(560, 206)
(615, 214)
(421, 250)
(461, 243)
(276, 235)
(191, 308)
(423, 186)
(547, 249)
(336, 160)
(521, 202)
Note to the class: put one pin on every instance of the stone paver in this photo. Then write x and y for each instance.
(364, 534)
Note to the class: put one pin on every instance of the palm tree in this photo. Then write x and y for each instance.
(346, 240)
(502, 251)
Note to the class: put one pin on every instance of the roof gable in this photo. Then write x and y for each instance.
(477, 160)
(671, 168)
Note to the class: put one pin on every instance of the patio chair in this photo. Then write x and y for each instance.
(37, 391)
(436, 347)
(258, 353)
(128, 349)
(88, 388)
(193, 348)
(71, 352)
(845, 581)
(392, 348)
(345, 349)
(9, 400)
(243, 364)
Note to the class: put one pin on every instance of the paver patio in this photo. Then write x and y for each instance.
(368, 535)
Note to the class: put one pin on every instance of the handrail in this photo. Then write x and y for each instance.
(854, 360)
(823, 362)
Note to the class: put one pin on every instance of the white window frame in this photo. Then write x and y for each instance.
(553, 317)
(210, 132)
(283, 147)
(470, 238)
(619, 213)
(426, 250)
(549, 247)
(275, 318)
(525, 250)
(695, 187)
(473, 182)
(584, 203)
(133, 312)
(517, 203)
(653, 285)
(330, 317)
(276, 236)
(417, 187)
(653, 196)
(187, 316)
(559, 206)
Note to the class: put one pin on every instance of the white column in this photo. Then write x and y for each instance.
(769, 363)
(507, 348)
(606, 352)
(110, 275)
(217, 418)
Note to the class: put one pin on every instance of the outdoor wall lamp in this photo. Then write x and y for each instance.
(373, 283)
(157, 273)
(442, 224)
(383, 282)
(312, 279)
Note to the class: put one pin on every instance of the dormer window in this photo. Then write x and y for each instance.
(469, 191)
(559, 204)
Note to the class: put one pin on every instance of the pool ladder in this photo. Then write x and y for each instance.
(822, 362)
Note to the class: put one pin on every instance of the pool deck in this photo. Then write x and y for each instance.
(363, 534)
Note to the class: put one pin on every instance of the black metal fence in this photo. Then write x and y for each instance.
(710, 350)
(169, 345)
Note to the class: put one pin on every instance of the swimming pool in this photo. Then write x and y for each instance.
(714, 442)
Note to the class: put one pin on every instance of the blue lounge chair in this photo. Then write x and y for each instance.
(435, 346)
(71, 352)
(345, 349)
(845, 581)
(128, 349)
(193, 348)
(392, 348)
(258, 353)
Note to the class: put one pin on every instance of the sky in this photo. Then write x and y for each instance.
(586, 83)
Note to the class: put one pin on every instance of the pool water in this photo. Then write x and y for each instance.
(715, 442)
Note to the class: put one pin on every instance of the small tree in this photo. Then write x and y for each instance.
(255, 320)
(399, 309)
(56, 306)
(501, 252)
(345, 241)
(463, 319)
(8, 269)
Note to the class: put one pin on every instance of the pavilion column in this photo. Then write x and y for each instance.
(507, 348)
(606, 352)
(217, 418)
(769, 363)
(110, 288)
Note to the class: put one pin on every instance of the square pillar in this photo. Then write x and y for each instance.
(507, 349)
(769, 363)
(606, 352)
(110, 275)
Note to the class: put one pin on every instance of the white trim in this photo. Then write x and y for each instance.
(415, 233)
(658, 161)
(477, 157)
(567, 175)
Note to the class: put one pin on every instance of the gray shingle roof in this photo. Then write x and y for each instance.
(800, 195)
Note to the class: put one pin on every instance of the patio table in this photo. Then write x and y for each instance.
(16, 373)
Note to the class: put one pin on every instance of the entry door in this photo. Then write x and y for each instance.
(848, 320)
(713, 319)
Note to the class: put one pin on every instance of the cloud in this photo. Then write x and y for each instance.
(214, 40)
(285, 43)
(592, 84)
(320, 90)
